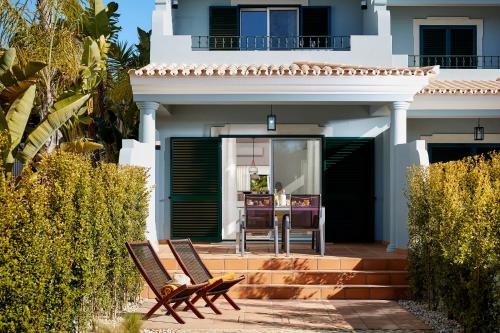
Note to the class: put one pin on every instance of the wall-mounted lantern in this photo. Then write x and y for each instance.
(364, 4)
(271, 121)
(175, 4)
(478, 132)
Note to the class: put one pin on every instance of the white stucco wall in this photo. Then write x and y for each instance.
(402, 24)
(410, 154)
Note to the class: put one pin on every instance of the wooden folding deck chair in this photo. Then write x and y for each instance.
(192, 265)
(156, 276)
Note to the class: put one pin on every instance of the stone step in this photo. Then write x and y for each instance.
(308, 277)
(286, 291)
(297, 263)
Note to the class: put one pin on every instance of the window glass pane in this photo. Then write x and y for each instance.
(297, 165)
(253, 30)
(283, 29)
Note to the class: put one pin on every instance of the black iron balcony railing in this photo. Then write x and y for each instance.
(265, 43)
(455, 61)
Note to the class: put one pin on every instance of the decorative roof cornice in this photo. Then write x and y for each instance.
(462, 87)
(294, 69)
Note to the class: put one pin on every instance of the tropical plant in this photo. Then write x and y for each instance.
(17, 95)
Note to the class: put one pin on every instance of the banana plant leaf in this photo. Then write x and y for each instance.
(4, 153)
(101, 19)
(61, 112)
(81, 147)
(7, 60)
(91, 52)
(17, 118)
(18, 80)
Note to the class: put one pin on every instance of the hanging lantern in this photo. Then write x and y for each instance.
(253, 170)
(478, 132)
(271, 121)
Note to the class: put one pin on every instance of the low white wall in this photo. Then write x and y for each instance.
(365, 51)
(143, 155)
(407, 155)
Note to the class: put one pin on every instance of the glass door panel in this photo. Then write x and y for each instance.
(297, 165)
(253, 29)
(283, 29)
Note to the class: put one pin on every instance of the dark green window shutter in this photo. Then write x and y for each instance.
(433, 41)
(348, 189)
(315, 26)
(224, 28)
(195, 189)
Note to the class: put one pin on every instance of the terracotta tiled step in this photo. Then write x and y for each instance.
(308, 277)
(320, 292)
(308, 263)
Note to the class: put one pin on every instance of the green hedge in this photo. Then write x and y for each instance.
(63, 261)
(454, 247)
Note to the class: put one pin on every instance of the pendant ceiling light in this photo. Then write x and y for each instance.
(478, 132)
(271, 121)
(253, 170)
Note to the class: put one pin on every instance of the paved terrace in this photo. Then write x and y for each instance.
(295, 316)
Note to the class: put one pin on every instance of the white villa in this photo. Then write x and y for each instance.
(357, 90)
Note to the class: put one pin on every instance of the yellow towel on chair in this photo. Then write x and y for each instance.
(227, 276)
(167, 289)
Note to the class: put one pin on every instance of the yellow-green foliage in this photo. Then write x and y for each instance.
(454, 247)
(62, 232)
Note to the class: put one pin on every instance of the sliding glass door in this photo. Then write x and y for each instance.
(269, 28)
(297, 165)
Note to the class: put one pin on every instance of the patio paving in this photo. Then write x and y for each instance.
(294, 316)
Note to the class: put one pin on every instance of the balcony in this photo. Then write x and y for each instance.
(455, 61)
(270, 43)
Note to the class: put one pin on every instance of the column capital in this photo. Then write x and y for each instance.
(399, 105)
(147, 106)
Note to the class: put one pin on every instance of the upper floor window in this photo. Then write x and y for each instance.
(270, 28)
(273, 28)
(448, 46)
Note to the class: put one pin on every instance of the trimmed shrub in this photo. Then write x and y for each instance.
(454, 246)
(62, 232)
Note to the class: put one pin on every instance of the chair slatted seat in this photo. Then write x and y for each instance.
(192, 265)
(156, 276)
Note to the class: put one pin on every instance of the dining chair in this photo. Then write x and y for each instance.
(305, 215)
(259, 217)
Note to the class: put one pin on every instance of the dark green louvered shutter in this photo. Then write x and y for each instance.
(348, 189)
(195, 189)
(224, 28)
(315, 26)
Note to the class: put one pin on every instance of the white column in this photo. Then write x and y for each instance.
(147, 126)
(398, 136)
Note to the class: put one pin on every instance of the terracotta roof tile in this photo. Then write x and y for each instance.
(463, 87)
(294, 69)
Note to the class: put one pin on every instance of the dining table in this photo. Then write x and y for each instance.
(279, 212)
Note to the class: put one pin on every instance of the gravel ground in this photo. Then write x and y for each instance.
(436, 320)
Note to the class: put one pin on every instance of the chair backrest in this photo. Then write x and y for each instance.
(305, 211)
(189, 260)
(259, 211)
(149, 265)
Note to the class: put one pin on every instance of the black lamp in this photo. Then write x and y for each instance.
(271, 121)
(175, 4)
(364, 4)
(478, 132)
